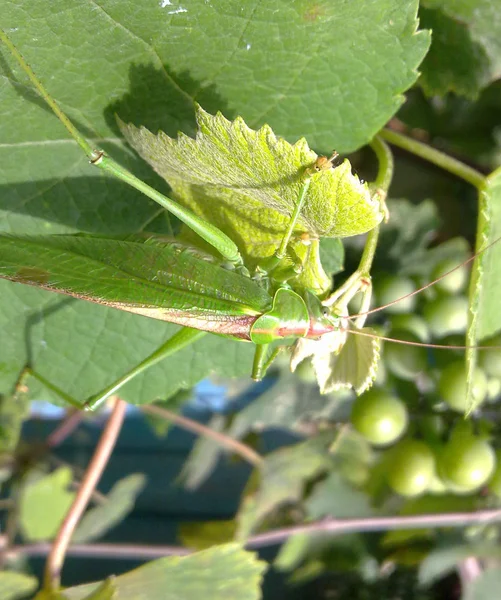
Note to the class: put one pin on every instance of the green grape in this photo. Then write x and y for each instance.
(495, 481)
(493, 389)
(415, 324)
(452, 386)
(411, 467)
(380, 417)
(466, 463)
(437, 486)
(402, 360)
(453, 283)
(391, 288)
(490, 360)
(446, 315)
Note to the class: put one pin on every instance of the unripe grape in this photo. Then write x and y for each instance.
(453, 283)
(411, 467)
(391, 288)
(452, 386)
(405, 361)
(466, 463)
(490, 360)
(415, 324)
(446, 315)
(380, 417)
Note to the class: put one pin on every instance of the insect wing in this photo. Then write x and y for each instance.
(158, 280)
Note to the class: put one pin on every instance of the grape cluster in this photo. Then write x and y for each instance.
(415, 411)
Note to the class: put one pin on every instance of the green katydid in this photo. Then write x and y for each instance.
(179, 286)
(182, 286)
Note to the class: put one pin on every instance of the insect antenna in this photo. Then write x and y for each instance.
(429, 284)
(420, 344)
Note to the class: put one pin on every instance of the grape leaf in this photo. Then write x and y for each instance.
(478, 22)
(485, 287)
(229, 173)
(455, 62)
(222, 570)
(268, 170)
(343, 359)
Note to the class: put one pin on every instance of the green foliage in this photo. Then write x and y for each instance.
(336, 497)
(485, 317)
(206, 574)
(44, 503)
(466, 50)
(281, 479)
(15, 586)
(443, 560)
(455, 62)
(13, 410)
(118, 504)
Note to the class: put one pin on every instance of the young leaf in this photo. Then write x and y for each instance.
(485, 287)
(341, 360)
(204, 575)
(265, 169)
(229, 173)
(202, 535)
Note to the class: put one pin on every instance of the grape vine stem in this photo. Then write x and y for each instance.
(434, 156)
(52, 577)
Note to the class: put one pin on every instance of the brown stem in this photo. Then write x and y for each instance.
(67, 426)
(277, 536)
(52, 576)
(342, 526)
(246, 452)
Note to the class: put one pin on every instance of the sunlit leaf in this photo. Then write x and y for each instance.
(225, 571)
(248, 182)
(15, 586)
(44, 504)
